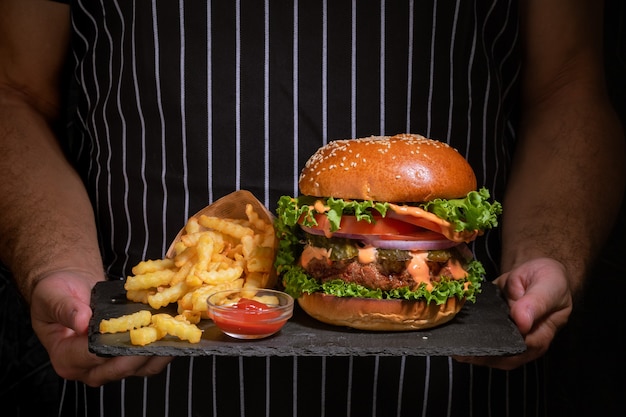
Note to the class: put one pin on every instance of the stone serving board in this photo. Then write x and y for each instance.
(480, 329)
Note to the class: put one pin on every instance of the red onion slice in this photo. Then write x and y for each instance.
(400, 242)
(438, 244)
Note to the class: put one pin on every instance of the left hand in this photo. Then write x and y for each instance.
(540, 302)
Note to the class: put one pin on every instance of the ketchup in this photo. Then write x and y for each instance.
(249, 317)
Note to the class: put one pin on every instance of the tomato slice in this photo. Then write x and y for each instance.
(381, 226)
(386, 232)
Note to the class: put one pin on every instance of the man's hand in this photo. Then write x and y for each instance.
(60, 313)
(540, 303)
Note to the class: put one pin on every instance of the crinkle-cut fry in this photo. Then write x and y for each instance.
(149, 280)
(192, 226)
(178, 328)
(261, 259)
(191, 316)
(185, 302)
(269, 238)
(145, 267)
(192, 239)
(181, 317)
(270, 300)
(200, 295)
(186, 255)
(168, 295)
(222, 259)
(219, 277)
(193, 281)
(233, 251)
(126, 322)
(248, 243)
(256, 280)
(204, 249)
(140, 296)
(254, 219)
(145, 335)
(179, 247)
(182, 273)
(226, 226)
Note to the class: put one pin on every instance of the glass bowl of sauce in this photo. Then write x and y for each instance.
(250, 313)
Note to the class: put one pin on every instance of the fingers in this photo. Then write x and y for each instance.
(120, 367)
(540, 303)
(72, 360)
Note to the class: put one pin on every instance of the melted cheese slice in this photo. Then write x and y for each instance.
(434, 223)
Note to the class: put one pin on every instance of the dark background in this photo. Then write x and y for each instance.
(587, 361)
(586, 364)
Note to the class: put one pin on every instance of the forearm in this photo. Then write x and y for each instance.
(567, 182)
(46, 219)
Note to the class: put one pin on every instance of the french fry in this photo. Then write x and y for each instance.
(270, 300)
(145, 267)
(192, 239)
(179, 247)
(256, 280)
(126, 322)
(229, 228)
(145, 335)
(200, 295)
(254, 219)
(186, 301)
(186, 255)
(168, 295)
(191, 316)
(140, 296)
(204, 248)
(220, 277)
(261, 259)
(183, 272)
(149, 280)
(181, 329)
(192, 226)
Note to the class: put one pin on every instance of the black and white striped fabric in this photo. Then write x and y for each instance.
(178, 103)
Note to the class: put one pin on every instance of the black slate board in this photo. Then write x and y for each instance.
(480, 329)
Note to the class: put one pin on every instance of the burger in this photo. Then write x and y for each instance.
(378, 238)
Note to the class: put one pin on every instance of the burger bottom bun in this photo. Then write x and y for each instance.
(385, 315)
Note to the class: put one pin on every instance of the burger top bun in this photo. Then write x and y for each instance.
(381, 315)
(400, 168)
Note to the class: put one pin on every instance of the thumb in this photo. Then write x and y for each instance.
(523, 314)
(63, 300)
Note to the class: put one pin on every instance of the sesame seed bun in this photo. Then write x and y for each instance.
(400, 168)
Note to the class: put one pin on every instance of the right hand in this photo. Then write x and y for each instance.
(60, 314)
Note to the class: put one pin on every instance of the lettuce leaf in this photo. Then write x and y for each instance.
(292, 209)
(297, 282)
(474, 212)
